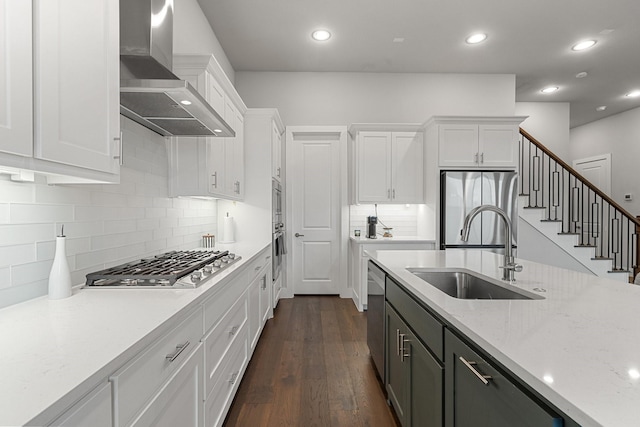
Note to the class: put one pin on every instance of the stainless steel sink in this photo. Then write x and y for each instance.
(467, 285)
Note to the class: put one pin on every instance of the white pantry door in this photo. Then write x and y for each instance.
(314, 183)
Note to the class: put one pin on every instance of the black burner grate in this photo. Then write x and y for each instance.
(161, 270)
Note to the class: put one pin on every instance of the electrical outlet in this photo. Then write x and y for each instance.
(628, 197)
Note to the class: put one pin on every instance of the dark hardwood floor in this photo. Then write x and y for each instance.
(312, 367)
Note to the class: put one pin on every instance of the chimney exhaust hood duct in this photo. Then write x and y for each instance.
(150, 93)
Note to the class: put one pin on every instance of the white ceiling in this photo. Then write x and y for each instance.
(529, 38)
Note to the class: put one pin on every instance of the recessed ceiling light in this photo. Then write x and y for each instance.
(321, 35)
(601, 108)
(633, 94)
(185, 102)
(398, 40)
(217, 130)
(550, 89)
(581, 75)
(586, 44)
(476, 38)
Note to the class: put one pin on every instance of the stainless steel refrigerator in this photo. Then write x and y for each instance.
(461, 191)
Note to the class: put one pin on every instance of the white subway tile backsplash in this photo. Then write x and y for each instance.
(105, 225)
(26, 233)
(36, 213)
(17, 254)
(5, 277)
(15, 192)
(31, 272)
(4, 213)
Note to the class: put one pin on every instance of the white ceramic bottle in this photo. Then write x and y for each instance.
(60, 277)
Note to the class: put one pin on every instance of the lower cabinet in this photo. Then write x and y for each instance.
(477, 394)
(414, 376)
(139, 384)
(94, 410)
(179, 402)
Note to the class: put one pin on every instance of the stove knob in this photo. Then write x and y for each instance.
(217, 263)
(208, 268)
(232, 256)
(225, 259)
(196, 276)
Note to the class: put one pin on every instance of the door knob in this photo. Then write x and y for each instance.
(299, 235)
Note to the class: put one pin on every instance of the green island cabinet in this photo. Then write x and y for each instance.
(437, 377)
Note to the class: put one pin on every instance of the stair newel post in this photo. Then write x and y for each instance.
(636, 265)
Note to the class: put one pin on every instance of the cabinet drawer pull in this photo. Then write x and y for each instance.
(258, 268)
(214, 184)
(233, 330)
(234, 377)
(475, 158)
(403, 351)
(469, 364)
(481, 157)
(179, 349)
(397, 342)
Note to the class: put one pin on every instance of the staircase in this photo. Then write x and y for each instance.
(574, 215)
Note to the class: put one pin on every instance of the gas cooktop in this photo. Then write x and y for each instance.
(175, 269)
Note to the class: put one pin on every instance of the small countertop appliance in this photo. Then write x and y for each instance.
(371, 227)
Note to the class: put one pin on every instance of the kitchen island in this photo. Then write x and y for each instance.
(577, 347)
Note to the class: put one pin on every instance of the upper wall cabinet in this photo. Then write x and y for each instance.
(475, 142)
(387, 164)
(16, 124)
(209, 166)
(64, 120)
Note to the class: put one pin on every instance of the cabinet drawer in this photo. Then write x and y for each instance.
(226, 382)
(179, 402)
(426, 327)
(223, 335)
(138, 381)
(478, 394)
(258, 264)
(218, 304)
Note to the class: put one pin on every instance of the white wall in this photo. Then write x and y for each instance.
(345, 98)
(105, 225)
(192, 34)
(619, 135)
(548, 122)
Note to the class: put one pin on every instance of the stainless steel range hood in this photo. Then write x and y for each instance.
(150, 93)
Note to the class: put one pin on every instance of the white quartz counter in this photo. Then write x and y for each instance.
(54, 352)
(579, 347)
(399, 240)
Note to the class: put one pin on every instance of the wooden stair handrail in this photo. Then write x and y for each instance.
(584, 180)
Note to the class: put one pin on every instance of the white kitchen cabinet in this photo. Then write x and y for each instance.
(179, 402)
(388, 166)
(477, 142)
(93, 410)
(209, 166)
(77, 83)
(276, 152)
(234, 153)
(148, 379)
(61, 116)
(259, 273)
(358, 260)
(16, 123)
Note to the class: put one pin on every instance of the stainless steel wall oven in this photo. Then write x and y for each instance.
(278, 238)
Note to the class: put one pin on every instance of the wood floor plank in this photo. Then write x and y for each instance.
(312, 367)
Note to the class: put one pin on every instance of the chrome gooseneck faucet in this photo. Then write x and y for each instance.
(509, 267)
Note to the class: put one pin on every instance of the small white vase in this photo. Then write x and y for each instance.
(60, 277)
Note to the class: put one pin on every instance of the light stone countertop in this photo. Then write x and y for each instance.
(579, 347)
(56, 351)
(400, 240)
